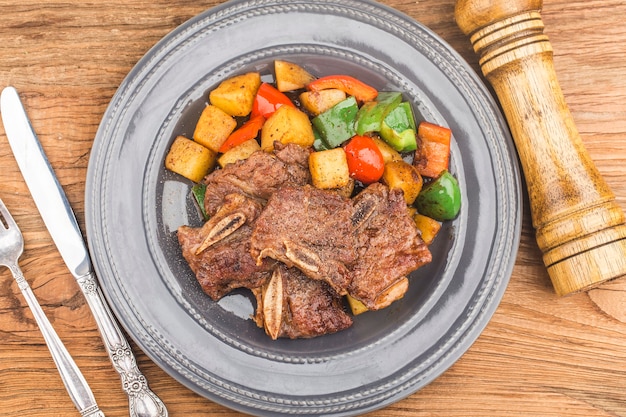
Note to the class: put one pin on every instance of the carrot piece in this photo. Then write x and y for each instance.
(249, 130)
(434, 149)
(349, 85)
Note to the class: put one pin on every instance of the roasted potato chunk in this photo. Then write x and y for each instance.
(290, 76)
(235, 96)
(399, 174)
(356, 306)
(287, 125)
(427, 226)
(316, 102)
(239, 152)
(213, 128)
(389, 154)
(190, 159)
(329, 169)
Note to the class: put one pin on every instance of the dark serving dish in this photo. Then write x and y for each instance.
(133, 207)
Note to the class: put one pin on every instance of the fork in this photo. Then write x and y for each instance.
(11, 248)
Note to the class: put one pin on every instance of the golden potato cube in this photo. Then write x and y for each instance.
(389, 154)
(239, 152)
(316, 102)
(190, 159)
(329, 169)
(213, 128)
(356, 306)
(287, 125)
(235, 95)
(402, 175)
(427, 226)
(290, 76)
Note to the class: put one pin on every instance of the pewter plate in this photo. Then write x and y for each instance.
(134, 206)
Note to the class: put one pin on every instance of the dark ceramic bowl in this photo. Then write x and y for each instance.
(134, 206)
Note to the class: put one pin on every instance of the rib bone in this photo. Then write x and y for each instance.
(273, 305)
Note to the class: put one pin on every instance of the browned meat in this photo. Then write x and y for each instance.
(310, 229)
(258, 176)
(294, 306)
(388, 247)
(225, 263)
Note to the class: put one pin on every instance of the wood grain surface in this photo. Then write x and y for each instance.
(540, 355)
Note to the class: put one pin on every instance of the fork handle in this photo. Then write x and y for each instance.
(73, 379)
(142, 401)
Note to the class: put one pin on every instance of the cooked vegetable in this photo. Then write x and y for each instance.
(371, 115)
(239, 152)
(352, 86)
(441, 199)
(189, 159)
(389, 154)
(235, 95)
(398, 128)
(402, 175)
(290, 76)
(365, 161)
(268, 99)
(434, 152)
(249, 130)
(356, 306)
(347, 190)
(336, 125)
(287, 125)
(329, 169)
(318, 143)
(213, 128)
(316, 102)
(427, 226)
(198, 191)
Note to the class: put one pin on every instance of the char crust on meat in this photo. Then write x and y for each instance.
(226, 264)
(310, 229)
(388, 244)
(258, 176)
(304, 307)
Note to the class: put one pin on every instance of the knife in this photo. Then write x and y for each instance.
(63, 227)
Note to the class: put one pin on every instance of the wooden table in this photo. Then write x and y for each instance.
(539, 356)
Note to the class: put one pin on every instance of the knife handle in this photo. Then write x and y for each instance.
(579, 227)
(142, 401)
(72, 378)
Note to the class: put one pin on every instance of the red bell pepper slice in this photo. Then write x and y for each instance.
(267, 100)
(365, 161)
(350, 85)
(434, 149)
(249, 130)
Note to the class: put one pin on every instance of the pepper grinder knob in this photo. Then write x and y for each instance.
(579, 227)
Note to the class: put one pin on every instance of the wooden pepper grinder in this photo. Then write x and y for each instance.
(579, 227)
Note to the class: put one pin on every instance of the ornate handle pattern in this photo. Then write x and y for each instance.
(74, 382)
(142, 401)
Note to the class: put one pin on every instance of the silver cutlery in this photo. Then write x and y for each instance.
(11, 249)
(63, 227)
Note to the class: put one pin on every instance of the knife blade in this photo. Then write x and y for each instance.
(60, 221)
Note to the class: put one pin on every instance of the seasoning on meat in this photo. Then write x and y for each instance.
(388, 247)
(225, 264)
(293, 306)
(310, 229)
(258, 176)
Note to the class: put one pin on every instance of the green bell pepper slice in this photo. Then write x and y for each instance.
(318, 143)
(398, 128)
(336, 125)
(440, 199)
(371, 114)
(198, 191)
